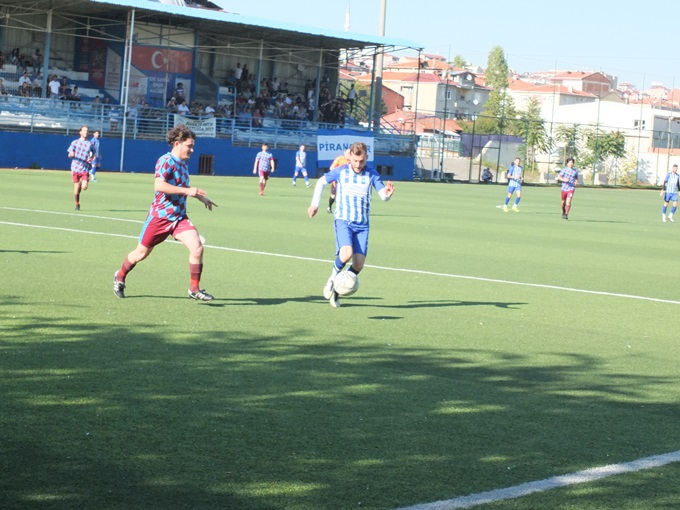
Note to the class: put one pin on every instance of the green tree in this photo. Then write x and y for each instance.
(570, 137)
(497, 69)
(498, 116)
(459, 62)
(604, 149)
(536, 137)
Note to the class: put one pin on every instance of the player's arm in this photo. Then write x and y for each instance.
(316, 198)
(273, 164)
(386, 192)
(257, 158)
(209, 204)
(163, 186)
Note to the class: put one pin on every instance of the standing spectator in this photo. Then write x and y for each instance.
(514, 185)
(168, 214)
(38, 85)
(75, 96)
(301, 166)
(264, 165)
(238, 73)
(568, 176)
(54, 86)
(669, 192)
(179, 92)
(182, 107)
(351, 96)
(209, 110)
(97, 159)
(171, 107)
(80, 152)
(355, 183)
(37, 59)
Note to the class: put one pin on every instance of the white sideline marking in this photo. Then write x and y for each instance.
(555, 482)
(384, 268)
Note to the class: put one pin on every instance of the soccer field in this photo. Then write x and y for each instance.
(484, 350)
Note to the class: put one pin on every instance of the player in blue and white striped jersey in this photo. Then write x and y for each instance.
(514, 185)
(669, 192)
(355, 182)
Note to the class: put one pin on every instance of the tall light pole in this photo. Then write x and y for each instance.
(446, 103)
(377, 87)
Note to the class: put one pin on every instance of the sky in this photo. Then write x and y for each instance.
(636, 42)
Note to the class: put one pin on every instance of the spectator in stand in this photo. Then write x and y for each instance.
(65, 92)
(171, 107)
(16, 57)
(38, 85)
(114, 117)
(238, 73)
(257, 118)
(179, 91)
(76, 95)
(24, 79)
(25, 91)
(53, 85)
(2, 59)
(351, 96)
(37, 59)
(3, 89)
(182, 107)
(209, 110)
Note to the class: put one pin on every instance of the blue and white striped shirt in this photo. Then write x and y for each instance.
(671, 182)
(353, 194)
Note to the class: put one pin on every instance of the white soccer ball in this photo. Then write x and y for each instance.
(346, 283)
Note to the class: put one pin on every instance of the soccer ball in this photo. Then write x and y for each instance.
(346, 283)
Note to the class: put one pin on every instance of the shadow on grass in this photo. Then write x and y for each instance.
(162, 416)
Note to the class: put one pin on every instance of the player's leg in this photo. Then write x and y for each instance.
(664, 209)
(567, 204)
(518, 196)
(84, 178)
(295, 176)
(673, 209)
(306, 177)
(344, 252)
(188, 236)
(507, 199)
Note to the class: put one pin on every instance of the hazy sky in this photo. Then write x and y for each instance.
(639, 43)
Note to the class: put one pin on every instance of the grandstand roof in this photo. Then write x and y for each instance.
(199, 15)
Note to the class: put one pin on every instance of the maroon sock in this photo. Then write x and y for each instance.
(195, 271)
(125, 269)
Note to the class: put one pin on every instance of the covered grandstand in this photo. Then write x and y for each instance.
(128, 59)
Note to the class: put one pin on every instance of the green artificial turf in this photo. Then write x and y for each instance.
(468, 361)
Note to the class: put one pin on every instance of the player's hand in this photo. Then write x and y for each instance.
(254, 171)
(312, 211)
(209, 204)
(389, 189)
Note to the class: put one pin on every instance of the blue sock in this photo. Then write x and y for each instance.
(516, 200)
(339, 265)
(507, 199)
(673, 209)
(663, 209)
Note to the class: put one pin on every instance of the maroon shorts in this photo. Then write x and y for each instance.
(264, 174)
(567, 194)
(156, 230)
(80, 176)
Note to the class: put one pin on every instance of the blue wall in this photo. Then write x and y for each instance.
(23, 150)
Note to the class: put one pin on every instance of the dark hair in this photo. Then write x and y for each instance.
(180, 133)
(570, 159)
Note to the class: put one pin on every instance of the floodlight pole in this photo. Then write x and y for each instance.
(377, 87)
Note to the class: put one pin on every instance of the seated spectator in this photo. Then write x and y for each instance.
(76, 94)
(2, 59)
(182, 107)
(209, 110)
(15, 57)
(37, 87)
(3, 89)
(257, 118)
(114, 117)
(487, 176)
(171, 107)
(25, 90)
(65, 92)
(24, 79)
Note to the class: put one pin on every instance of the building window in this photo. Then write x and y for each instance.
(385, 170)
(639, 124)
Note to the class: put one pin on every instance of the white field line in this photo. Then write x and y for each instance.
(383, 268)
(585, 476)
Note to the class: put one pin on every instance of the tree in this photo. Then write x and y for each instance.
(570, 137)
(498, 114)
(536, 137)
(604, 147)
(497, 69)
(459, 62)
